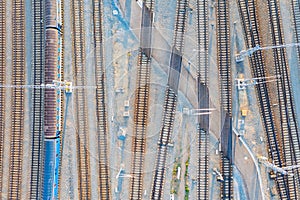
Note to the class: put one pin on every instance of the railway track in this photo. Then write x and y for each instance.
(164, 140)
(37, 146)
(289, 126)
(140, 120)
(250, 22)
(170, 101)
(102, 129)
(202, 170)
(83, 156)
(62, 96)
(181, 16)
(2, 81)
(17, 107)
(141, 102)
(202, 40)
(223, 40)
(203, 98)
(227, 184)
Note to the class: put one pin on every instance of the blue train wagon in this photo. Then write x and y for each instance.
(51, 167)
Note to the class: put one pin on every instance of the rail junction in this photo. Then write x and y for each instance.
(108, 28)
(82, 133)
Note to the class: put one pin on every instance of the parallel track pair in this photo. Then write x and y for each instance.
(84, 174)
(283, 147)
(289, 127)
(248, 14)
